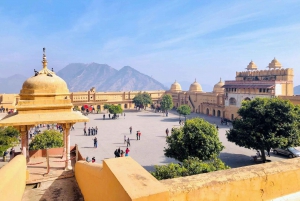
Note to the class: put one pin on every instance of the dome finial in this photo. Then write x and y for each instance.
(44, 59)
(195, 80)
(220, 79)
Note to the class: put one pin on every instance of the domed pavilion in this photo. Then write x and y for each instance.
(274, 64)
(44, 99)
(218, 88)
(195, 87)
(175, 87)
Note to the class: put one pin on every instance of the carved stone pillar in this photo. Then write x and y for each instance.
(67, 142)
(24, 141)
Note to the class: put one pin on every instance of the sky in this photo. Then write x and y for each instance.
(168, 40)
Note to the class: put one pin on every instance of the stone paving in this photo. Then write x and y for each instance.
(149, 150)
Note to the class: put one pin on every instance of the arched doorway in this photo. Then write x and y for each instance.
(98, 107)
(207, 111)
(247, 99)
(232, 116)
(214, 112)
(199, 109)
(125, 106)
(219, 113)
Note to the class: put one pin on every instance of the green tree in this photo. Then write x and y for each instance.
(197, 138)
(266, 123)
(166, 102)
(115, 109)
(106, 106)
(142, 100)
(190, 166)
(47, 139)
(184, 110)
(8, 138)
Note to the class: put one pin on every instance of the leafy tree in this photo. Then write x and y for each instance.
(115, 109)
(141, 100)
(47, 139)
(166, 102)
(266, 123)
(190, 166)
(106, 106)
(197, 138)
(184, 110)
(8, 138)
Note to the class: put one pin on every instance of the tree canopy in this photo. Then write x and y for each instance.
(184, 110)
(8, 138)
(106, 106)
(166, 102)
(266, 123)
(115, 109)
(190, 166)
(47, 139)
(141, 100)
(197, 138)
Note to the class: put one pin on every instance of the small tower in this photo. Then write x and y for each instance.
(274, 64)
(251, 66)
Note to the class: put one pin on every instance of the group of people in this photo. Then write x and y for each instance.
(91, 131)
(120, 153)
(114, 116)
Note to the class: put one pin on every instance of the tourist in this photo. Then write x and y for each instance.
(128, 142)
(139, 135)
(179, 121)
(122, 153)
(84, 131)
(96, 129)
(4, 155)
(116, 153)
(89, 131)
(93, 159)
(104, 117)
(127, 151)
(172, 130)
(167, 132)
(217, 127)
(124, 115)
(125, 139)
(95, 142)
(12, 153)
(87, 159)
(108, 115)
(130, 129)
(92, 130)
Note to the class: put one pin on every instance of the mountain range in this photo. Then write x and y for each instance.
(82, 77)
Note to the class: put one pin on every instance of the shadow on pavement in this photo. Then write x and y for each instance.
(236, 160)
(150, 115)
(167, 119)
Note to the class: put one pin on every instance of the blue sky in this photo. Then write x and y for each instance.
(167, 40)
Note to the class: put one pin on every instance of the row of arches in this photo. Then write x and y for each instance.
(232, 101)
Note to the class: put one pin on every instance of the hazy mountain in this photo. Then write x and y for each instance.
(185, 86)
(297, 90)
(82, 77)
(12, 84)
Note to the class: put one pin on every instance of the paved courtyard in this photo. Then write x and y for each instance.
(149, 150)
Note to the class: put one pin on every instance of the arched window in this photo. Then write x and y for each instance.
(232, 101)
(247, 99)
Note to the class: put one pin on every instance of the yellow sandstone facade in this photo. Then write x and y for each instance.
(223, 101)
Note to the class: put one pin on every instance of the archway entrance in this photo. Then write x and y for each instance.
(219, 113)
(214, 112)
(207, 111)
(125, 106)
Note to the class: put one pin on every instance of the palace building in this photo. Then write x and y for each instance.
(223, 101)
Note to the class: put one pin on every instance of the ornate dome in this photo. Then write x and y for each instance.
(251, 66)
(175, 86)
(274, 64)
(195, 87)
(218, 87)
(42, 83)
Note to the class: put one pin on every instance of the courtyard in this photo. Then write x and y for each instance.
(149, 150)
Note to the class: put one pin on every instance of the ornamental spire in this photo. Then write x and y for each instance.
(44, 59)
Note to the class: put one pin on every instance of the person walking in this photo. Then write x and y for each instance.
(95, 142)
(167, 132)
(96, 129)
(109, 115)
(137, 135)
(84, 131)
(125, 139)
(89, 131)
(128, 142)
(126, 152)
(124, 115)
(130, 129)
(104, 117)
